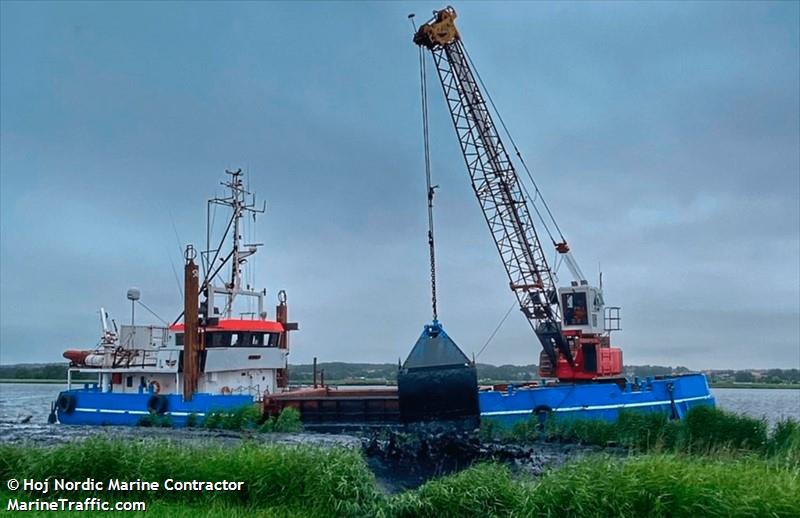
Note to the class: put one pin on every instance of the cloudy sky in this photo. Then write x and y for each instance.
(665, 137)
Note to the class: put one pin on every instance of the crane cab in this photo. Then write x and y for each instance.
(584, 324)
(582, 308)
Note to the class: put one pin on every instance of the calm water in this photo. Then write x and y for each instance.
(772, 404)
(18, 401)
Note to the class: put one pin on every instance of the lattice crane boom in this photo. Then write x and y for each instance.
(496, 184)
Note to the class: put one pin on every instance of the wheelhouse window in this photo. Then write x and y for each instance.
(239, 339)
(218, 339)
(575, 311)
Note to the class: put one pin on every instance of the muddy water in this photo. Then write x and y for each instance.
(414, 464)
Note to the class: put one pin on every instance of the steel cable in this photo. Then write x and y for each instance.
(496, 329)
(430, 188)
(519, 155)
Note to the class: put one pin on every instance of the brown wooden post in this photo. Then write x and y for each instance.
(282, 316)
(315, 372)
(191, 339)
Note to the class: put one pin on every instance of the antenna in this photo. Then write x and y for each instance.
(600, 272)
(133, 295)
(241, 201)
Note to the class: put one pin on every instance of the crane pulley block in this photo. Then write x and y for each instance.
(439, 31)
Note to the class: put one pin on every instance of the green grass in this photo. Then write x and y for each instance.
(705, 429)
(167, 509)
(288, 421)
(669, 485)
(483, 490)
(652, 486)
(288, 481)
(155, 421)
(708, 428)
(784, 443)
(711, 464)
(306, 480)
(249, 418)
(243, 418)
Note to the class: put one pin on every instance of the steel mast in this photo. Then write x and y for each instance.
(240, 205)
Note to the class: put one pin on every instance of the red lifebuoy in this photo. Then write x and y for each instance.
(226, 390)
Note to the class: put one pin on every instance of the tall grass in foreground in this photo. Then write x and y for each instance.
(288, 421)
(243, 418)
(652, 486)
(670, 485)
(705, 429)
(286, 481)
(248, 417)
(320, 482)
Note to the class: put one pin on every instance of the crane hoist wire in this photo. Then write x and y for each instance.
(537, 192)
(496, 329)
(423, 80)
(431, 189)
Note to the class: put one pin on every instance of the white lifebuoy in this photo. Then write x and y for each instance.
(156, 386)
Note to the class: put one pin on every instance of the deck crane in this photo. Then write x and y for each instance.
(571, 323)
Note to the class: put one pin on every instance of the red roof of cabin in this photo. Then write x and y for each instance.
(240, 324)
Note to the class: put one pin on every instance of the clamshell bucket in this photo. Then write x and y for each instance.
(438, 382)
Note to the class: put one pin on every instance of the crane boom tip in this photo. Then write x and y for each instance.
(439, 31)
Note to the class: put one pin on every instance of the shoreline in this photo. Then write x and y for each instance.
(762, 386)
(30, 381)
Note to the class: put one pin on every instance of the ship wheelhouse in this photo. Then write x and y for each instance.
(240, 356)
(236, 333)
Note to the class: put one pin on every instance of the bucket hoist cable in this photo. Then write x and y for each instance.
(431, 189)
(437, 381)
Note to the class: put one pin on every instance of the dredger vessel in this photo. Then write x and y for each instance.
(215, 361)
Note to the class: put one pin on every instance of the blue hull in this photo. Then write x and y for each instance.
(92, 407)
(673, 396)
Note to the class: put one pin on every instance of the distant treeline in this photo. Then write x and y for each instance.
(772, 376)
(378, 373)
(387, 372)
(383, 373)
(40, 371)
